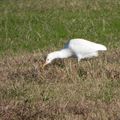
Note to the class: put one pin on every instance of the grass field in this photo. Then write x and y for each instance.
(64, 90)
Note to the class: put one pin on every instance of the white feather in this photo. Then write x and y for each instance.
(77, 47)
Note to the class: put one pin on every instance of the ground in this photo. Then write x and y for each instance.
(64, 90)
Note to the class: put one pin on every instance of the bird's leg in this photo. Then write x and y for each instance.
(79, 57)
(79, 60)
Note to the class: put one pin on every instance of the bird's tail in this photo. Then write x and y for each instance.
(102, 48)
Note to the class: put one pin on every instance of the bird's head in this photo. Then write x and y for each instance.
(50, 58)
(64, 53)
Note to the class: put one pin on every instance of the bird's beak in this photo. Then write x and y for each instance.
(45, 64)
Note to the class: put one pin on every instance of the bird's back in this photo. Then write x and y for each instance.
(83, 46)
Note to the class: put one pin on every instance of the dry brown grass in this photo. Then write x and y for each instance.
(65, 89)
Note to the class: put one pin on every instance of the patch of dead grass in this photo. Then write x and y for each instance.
(63, 90)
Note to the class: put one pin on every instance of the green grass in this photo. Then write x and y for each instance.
(32, 25)
(66, 90)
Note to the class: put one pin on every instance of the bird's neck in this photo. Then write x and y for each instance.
(65, 53)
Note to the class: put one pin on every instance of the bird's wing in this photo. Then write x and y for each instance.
(81, 46)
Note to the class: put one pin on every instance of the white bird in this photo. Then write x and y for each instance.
(76, 47)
